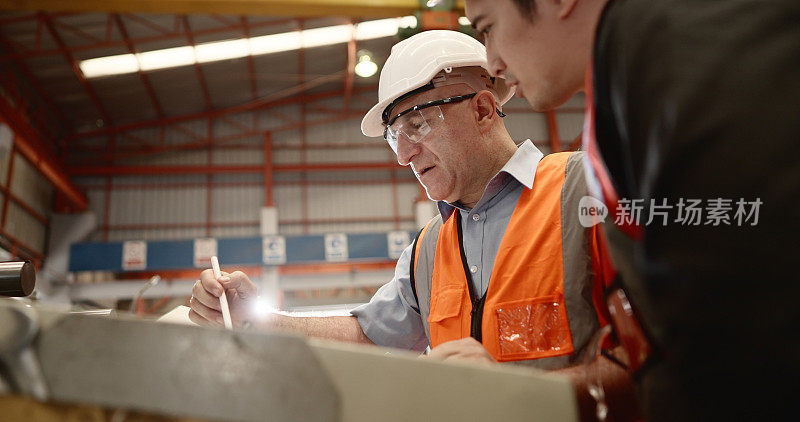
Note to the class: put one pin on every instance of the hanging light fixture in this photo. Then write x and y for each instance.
(365, 67)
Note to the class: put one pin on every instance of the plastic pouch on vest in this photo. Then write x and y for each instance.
(533, 328)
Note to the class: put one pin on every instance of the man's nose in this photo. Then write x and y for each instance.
(497, 67)
(406, 150)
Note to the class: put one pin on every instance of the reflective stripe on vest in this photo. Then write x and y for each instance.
(542, 274)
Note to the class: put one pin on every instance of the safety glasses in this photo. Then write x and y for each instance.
(415, 123)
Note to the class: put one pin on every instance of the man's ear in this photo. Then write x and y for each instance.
(483, 107)
(565, 8)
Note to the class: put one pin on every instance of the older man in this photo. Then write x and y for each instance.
(506, 272)
(689, 102)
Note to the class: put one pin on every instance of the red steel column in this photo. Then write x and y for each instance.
(350, 70)
(107, 195)
(209, 187)
(268, 178)
(552, 127)
(301, 70)
(395, 201)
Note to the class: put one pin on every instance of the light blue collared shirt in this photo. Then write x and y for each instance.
(392, 318)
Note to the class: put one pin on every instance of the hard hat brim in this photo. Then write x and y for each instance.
(372, 124)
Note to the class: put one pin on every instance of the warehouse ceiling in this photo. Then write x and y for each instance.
(43, 51)
(305, 8)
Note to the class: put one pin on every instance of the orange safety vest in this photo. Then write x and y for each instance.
(523, 314)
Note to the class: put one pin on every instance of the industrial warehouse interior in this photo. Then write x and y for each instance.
(313, 210)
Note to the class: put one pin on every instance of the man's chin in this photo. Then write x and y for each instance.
(545, 100)
(433, 196)
(538, 105)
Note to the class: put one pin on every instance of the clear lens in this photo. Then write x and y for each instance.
(414, 126)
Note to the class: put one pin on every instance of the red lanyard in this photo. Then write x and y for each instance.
(598, 168)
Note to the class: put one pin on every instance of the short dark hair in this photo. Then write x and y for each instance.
(527, 7)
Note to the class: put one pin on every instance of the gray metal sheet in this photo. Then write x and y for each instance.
(184, 370)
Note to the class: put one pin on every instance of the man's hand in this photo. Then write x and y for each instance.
(205, 308)
(466, 348)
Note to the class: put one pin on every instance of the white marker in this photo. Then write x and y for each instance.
(223, 299)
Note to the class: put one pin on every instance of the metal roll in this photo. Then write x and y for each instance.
(17, 278)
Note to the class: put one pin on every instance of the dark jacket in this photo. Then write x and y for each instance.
(700, 99)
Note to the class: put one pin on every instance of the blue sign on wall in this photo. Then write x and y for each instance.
(247, 251)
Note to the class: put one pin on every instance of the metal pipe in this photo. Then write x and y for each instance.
(17, 278)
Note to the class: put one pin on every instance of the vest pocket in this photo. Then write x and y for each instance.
(533, 328)
(445, 320)
(446, 304)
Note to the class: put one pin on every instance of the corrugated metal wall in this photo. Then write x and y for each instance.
(30, 188)
(6, 139)
(310, 201)
(523, 124)
(21, 225)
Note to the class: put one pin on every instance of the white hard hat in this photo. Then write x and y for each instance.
(415, 61)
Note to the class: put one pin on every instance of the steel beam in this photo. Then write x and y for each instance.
(17, 244)
(48, 22)
(253, 223)
(201, 78)
(148, 39)
(164, 170)
(144, 22)
(306, 8)
(10, 197)
(189, 185)
(253, 105)
(145, 80)
(199, 143)
(251, 66)
(23, 68)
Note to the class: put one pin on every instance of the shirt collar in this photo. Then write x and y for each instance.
(520, 167)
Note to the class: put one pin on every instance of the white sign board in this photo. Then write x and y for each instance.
(204, 249)
(134, 255)
(398, 241)
(273, 250)
(336, 247)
